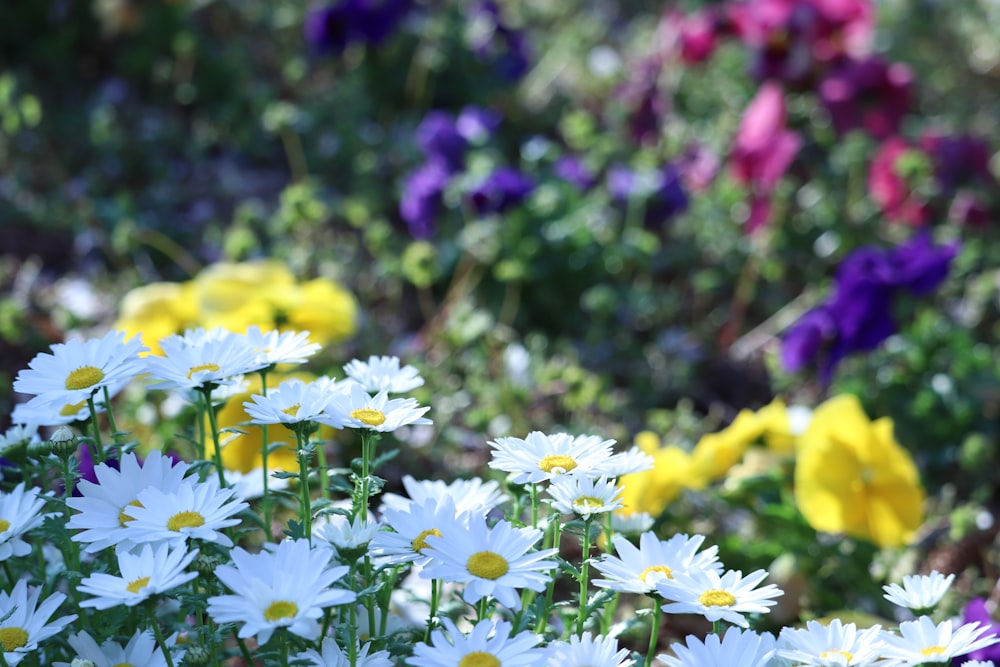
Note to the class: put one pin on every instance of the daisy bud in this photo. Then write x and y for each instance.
(197, 655)
(80, 662)
(63, 441)
(206, 564)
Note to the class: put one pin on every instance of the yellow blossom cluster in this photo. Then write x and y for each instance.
(851, 476)
(238, 295)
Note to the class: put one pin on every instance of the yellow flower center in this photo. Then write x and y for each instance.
(124, 517)
(71, 409)
(292, 410)
(584, 502)
(4, 525)
(83, 377)
(369, 416)
(655, 569)
(12, 638)
(487, 565)
(202, 367)
(280, 609)
(185, 520)
(137, 585)
(932, 650)
(553, 461)
(836, 651)
(123, 664)
(479, 659)
(420, 543)
(717, 598)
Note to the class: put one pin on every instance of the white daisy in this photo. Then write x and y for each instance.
(490, 561)
(141, 651)
(347, 536)
(20, 511)
(921, 641)
(383, 374)
(541, 457)
(411, 525)
(488, 644)
(144, 573)
(358, 409)
(637, 570)
(977, 663)
(725, 597)
(587, 651)
(919, 592)
(75, 370)
(26, 623)
(104, 509)
(334, 656)
(469, 495)
(195, 510)
(633, 523)
(833, 645)
(198, 336)
(19, 436)
(275, 347)
(736, 649)
(250, 485)
(293, 402)
(628, 462)
(584, 496)
(218, 358)
(288, 587)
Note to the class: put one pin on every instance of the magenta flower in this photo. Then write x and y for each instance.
(893, 181)
(867, 94)
(763, 150)
(976, 612)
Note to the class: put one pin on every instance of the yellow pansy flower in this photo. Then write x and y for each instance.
(716, 453)
(158, 310)
(651, 491)
(852, 477)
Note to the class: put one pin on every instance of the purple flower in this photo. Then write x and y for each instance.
(867, 94)
(660, 191)
(332, 27)
(858, 315)
(574, 171)
(495, 43)
(976, 612)
(440, 140)
(501, 190)
(422, 198)
(477, 124)
(958, 161)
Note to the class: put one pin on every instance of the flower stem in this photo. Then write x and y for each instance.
(550, 589)
(206, 392)
(654, 631)
(436, 585)
(305, 503)
(158, 633)
(98, 445)
(265, 502)
(581, 614)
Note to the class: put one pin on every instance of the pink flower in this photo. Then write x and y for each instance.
(892, 179)
(763, 150)
(867, 94)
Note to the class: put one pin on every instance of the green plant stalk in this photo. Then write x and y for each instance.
(436, 585)
(305, 504)
(111, 415)
(654, 632)
(542, 619)
(367, 452)
(534, 505)
(98, 445)
(244, 651)
(206, 392)
(324, 482)
(369, 599)
(158, 633)
(584, 576)
(265, 502)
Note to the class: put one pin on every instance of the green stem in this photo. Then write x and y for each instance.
(266, 500)
(111, 415)
(305, 502)
(718, 627)
(369, 599)
(324, 483)
(98, 445)
(550, 589)
(206, 392)
(158, 633)
(482, 608)
(367, 451)
(244, 651)
(534, 505)
(436, 585)
(654, 632)
(581, 614)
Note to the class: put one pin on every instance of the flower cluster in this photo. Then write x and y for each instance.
(463, 573)
(858, 316)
